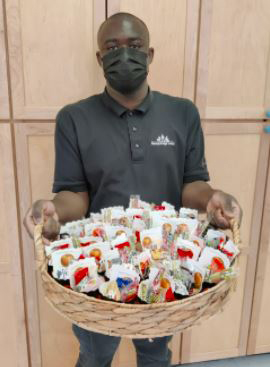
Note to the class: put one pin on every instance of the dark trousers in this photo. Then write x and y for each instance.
(97, 350)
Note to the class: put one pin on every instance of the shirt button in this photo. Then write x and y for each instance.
(134, 128)
(137, 146)
(130, 113)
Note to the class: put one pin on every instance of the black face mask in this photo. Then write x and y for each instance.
(125, 69)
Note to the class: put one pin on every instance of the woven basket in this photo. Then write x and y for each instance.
(131, 320)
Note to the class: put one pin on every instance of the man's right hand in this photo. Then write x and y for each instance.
(43, 211)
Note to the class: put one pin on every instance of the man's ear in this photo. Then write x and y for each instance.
(151, 53)
(99, 59)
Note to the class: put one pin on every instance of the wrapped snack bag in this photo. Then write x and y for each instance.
(156, 215)
(134, 201)
(185, 227)
(154, 289)
(110, 290)
(188, 213)
(215, 261)
(84, 277)
(76, 228)
(111, 258)
(187, 250)
(214, 238)
(127, 281)
(198, 241)
(182, 277)
(229, 249)
(62, 260)
(95, 218)
(144, 261)
(95, 230)
(58, 245)
(97, 251)
(198, 272)
(123, 245)
(167, 206)
(89, 240)
(151, 238)
(113, 231)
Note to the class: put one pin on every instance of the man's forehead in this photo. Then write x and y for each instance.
(121, 28)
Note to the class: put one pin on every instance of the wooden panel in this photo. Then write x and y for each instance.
(4, 105)
(259, 338)
(173, 27)
(234, 153)
(52, 54)
(12, 320)
(233, 58)
(51, 335)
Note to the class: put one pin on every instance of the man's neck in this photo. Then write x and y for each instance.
(129, 101)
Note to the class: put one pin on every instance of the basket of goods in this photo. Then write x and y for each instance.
(142, 272)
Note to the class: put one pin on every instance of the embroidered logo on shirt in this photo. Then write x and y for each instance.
(162, 140)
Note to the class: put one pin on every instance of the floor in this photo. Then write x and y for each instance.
(261, 360)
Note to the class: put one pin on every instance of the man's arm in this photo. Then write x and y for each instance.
(71, 206)
(220, 206)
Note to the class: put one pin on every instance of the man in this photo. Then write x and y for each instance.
(127, 140)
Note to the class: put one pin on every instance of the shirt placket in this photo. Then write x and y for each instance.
(135, 136)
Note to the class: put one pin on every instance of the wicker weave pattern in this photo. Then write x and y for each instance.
(128, 320)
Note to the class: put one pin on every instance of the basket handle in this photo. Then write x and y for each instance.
(39, 245)
(235, 232)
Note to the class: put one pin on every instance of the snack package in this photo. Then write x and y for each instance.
(213, 260)
(182, 277)
(198, 272)
(187, 250)
(151, 238)
(185, 227)
(134, 201)
(95, 218)
(167, 206)
(110, 290)
(214, 238)
(188, 213)
(113, 231)
(76, 228)
(198, 241)
(58, 245)
(62, 260)
(83, 276)
(156, 215)
(144, 261)
(123, 245)
(127, 281)
(229, 249)
(89, 240)
(111, 258)
(95, 230)
(97, 251)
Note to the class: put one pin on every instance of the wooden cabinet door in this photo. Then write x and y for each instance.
(4, 105)
(52, 54)
(259, 336)
(237, 156)
(12, 314)
(233, 64)
(173, 27)
(51, 341)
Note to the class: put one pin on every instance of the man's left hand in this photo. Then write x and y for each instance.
(223, 207)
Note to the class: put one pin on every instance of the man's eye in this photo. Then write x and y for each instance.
(111, 48)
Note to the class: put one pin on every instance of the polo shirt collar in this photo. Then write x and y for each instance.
(119, 110)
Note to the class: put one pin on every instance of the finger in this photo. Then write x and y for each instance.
(49, 210)
(51, 229)
(37, 211)
(29, 223)
(221, 220)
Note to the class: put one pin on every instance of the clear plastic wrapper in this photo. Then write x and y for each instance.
(214, 238)
(187, 250)
(62, 260)
(84, 277)
(151, 238)
(188, 213)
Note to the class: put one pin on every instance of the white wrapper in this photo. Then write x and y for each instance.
(188, 213)
(62, 260)
(151, 238)
(207, 259)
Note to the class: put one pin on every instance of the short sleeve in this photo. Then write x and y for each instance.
(68, 172)
(195, 163)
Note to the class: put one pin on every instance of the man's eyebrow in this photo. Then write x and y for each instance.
(129, 38)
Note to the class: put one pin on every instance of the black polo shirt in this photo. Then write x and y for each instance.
(111, 152)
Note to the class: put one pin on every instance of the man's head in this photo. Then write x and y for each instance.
(123, 41)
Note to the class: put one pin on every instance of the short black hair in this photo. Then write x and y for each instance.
(128, 16)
